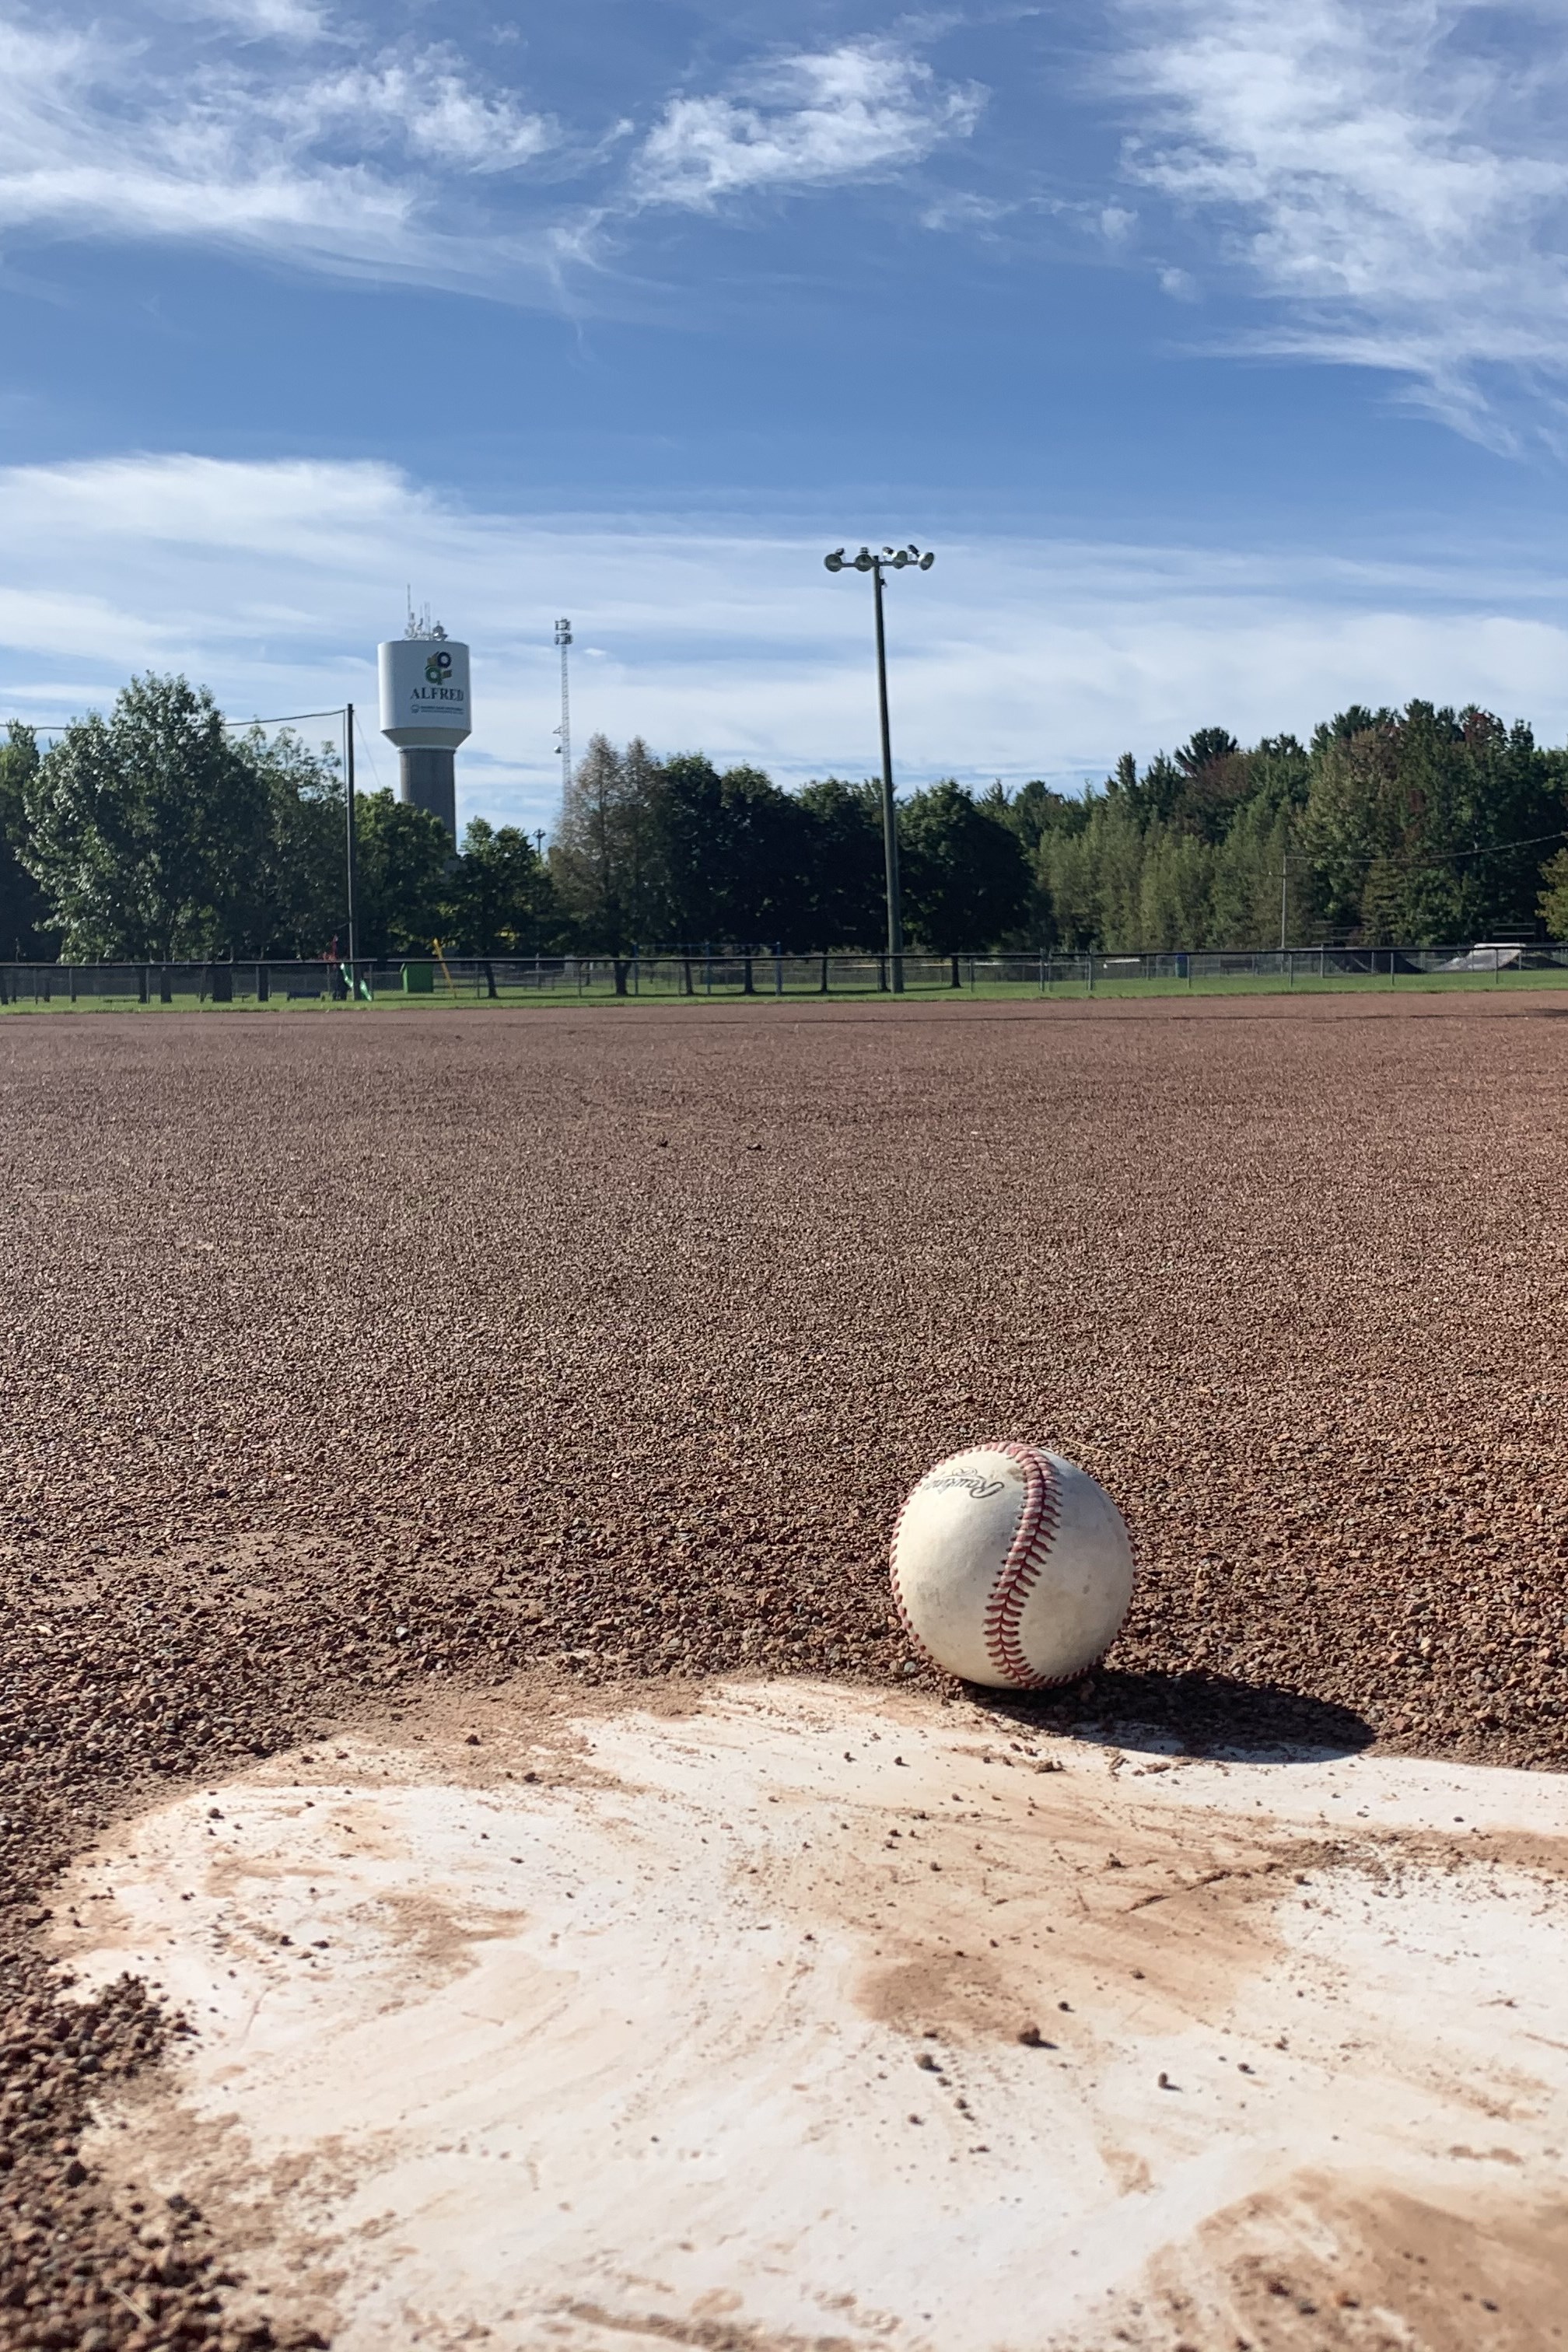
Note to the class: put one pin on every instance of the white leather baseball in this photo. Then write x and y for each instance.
(1011, 1567)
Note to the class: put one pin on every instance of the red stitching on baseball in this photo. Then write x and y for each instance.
(1023, 1567)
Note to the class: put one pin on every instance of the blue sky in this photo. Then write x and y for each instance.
(1218, 348)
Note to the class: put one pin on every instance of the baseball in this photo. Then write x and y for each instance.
(1011, 1567)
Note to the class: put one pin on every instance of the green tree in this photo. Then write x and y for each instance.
(1175, 883)
(602, 859)
(843, 900)
(500, 900)
(1149, 798)
(146, 829)
(1218, 780)
(1423, 827)
(1036, 809)
(1553, 899)
(403, 853)
(1245, 895)
(1067, 878)
(733, 852)
(965, 875)
(298, 896)
(24, 914)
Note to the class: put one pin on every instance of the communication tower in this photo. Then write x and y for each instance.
(564, 639)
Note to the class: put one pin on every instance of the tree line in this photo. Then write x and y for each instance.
(1410, 827)
(158, 833)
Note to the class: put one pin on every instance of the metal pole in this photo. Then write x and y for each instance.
(564, 639)
(351, 851)
(890, 807)
(1284, 897)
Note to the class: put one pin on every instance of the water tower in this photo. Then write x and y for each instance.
(425, 710)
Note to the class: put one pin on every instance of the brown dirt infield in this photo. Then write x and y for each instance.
(347, 1355)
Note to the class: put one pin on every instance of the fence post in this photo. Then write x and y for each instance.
(882, 973)
(1090, 962)
(823, 989)
(71, 981)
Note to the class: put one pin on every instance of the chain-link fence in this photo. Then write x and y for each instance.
(737, 973)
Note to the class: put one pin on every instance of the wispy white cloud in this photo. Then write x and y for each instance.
(860, 112)
(1392, 174)
(424, 104)
(243, 124)
(358, 170)
(277, 20)
(1013, 658)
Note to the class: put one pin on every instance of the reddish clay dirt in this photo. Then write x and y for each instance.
(354, 1350)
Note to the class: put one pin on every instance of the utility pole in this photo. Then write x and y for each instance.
(564, 639)
(1284, 900)
(351, 852)
(896, 558)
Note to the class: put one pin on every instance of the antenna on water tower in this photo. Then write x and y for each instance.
(564, 639)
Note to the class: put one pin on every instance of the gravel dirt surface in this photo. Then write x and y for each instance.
(352, 1355)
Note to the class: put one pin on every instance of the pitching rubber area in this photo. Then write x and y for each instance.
(781, 2014)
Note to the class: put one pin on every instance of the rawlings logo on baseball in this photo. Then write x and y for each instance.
(938, 1482)
(1011, 1567)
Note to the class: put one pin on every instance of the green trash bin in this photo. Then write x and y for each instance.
(419, 979)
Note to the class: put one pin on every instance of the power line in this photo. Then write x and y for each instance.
(288, 719)
(64, 726)
(1424, 865)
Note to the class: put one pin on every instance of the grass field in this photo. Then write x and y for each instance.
(464, 997)
(358, 1360)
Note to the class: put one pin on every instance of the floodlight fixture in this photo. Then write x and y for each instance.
(892, 558)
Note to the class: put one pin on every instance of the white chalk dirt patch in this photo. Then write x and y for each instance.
(822, 2017)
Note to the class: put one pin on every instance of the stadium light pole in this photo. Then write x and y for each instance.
(351, 851)
(894, 559)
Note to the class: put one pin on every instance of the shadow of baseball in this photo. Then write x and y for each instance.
(1195, 1714)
